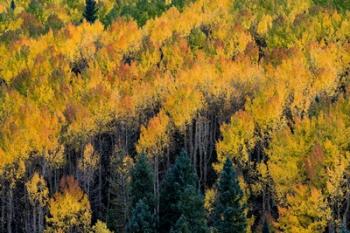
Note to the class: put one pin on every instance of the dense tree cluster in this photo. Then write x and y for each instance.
(174, 116)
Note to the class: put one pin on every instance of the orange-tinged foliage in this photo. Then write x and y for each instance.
(200, 12)
(26, 128)
(315, 156)
(262, 68)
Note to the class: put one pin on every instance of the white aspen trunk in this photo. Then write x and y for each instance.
(3, 211)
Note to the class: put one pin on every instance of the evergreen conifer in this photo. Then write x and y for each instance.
(229, 213)
(90, 12)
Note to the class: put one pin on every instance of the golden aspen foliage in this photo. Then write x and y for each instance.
(37, 190)
(238, 138)
(26, 128)
(209, 199)
(307, 211)
(69, 208)
(315, 155)
(87, 165)
(154, 138)
(81, 41)
(270, 78)
(183, 105)
(264, 25)
(176, 55)
(100, 227)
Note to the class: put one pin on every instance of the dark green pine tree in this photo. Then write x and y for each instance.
(142, 182)
(344, 230)
(144, 10)
(90, 12)
(36, 8)
(142, 198)
(142, 219)
(191, 206)
(266, 228)
(13, 5)
(180, 4)
(179, 195)
(229, 213)
(181, 226)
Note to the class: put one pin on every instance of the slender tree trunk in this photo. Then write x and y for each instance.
(264, 200)
(156, 184)
(338, 211)
(331, 227)
(9, 210)
(41, 220)
(125, 203)
(100, 181)
(27, 222)
(345, 215)
(168, 158)
(34, 219)
(3, 207)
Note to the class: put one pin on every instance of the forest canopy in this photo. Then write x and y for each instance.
(174, 116)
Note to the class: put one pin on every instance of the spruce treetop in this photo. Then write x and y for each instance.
(142, 182)
(90, 12)
(142, 219)
(13, 5)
